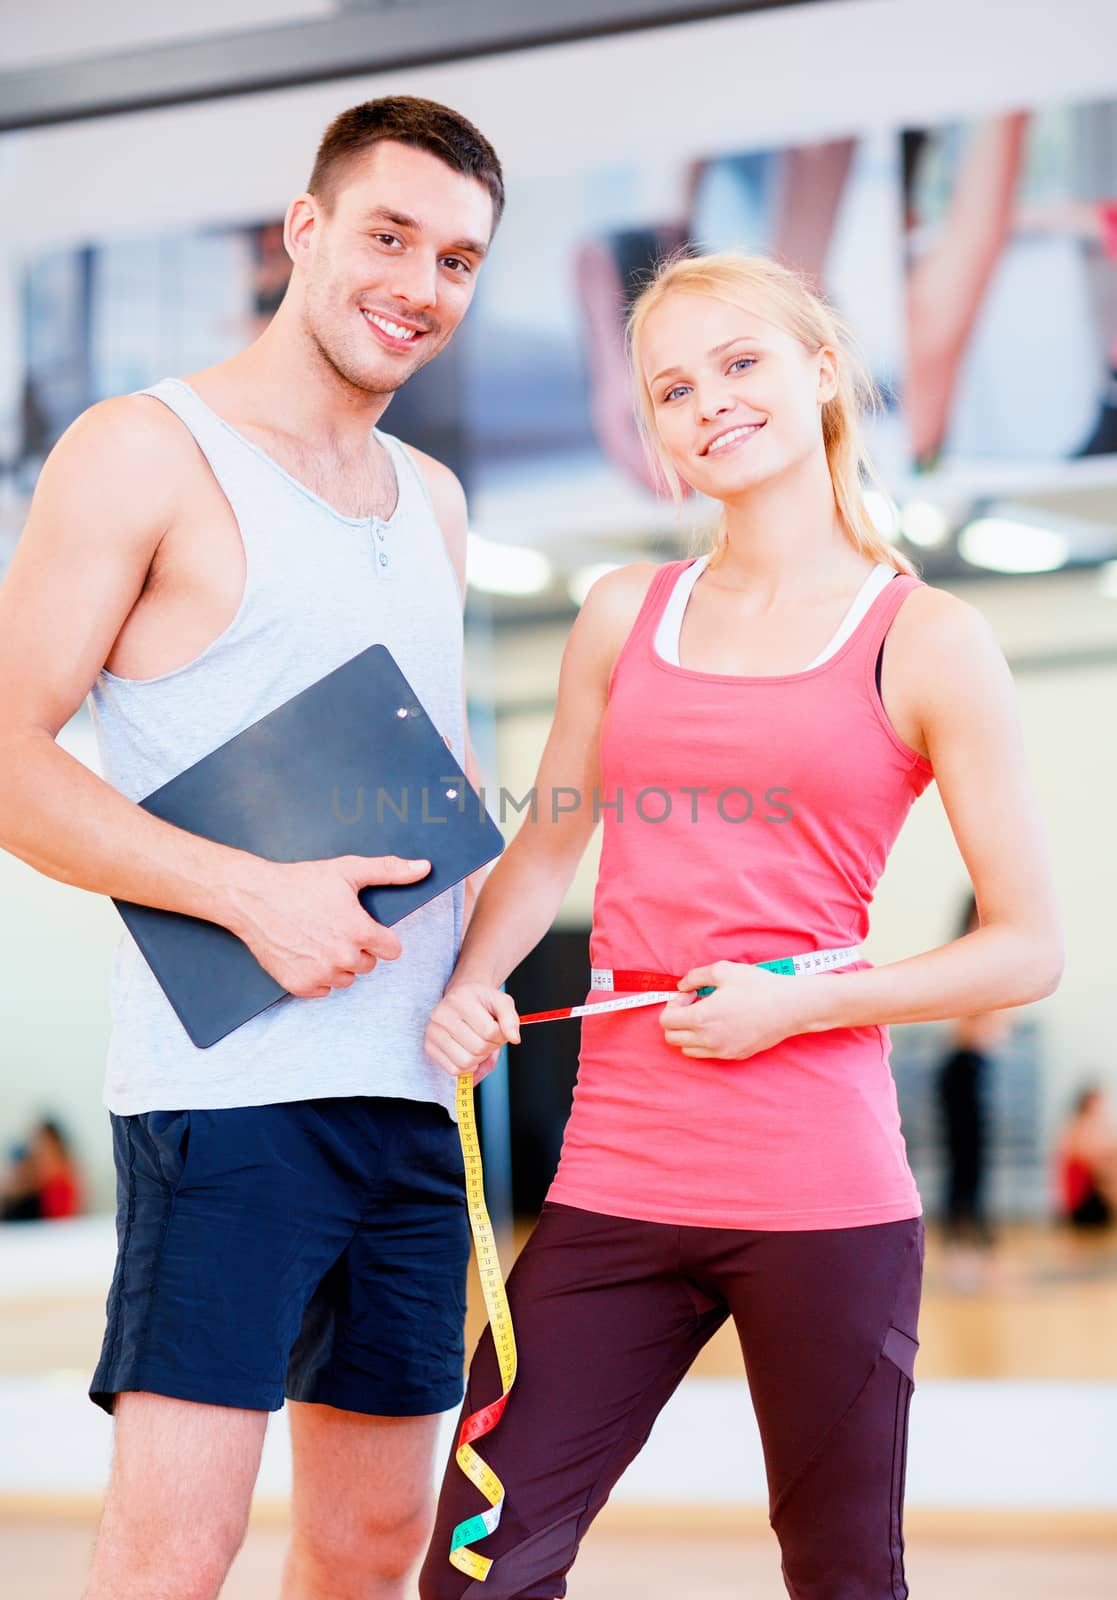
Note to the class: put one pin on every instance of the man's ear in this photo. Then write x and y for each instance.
(299, 225)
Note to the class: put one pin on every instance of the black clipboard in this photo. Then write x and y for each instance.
(352, 765)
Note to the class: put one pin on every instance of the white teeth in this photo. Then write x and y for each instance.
(735, 433)
(393, 329)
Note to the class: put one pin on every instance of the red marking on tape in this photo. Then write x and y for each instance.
(641, 982)
(482, 1422)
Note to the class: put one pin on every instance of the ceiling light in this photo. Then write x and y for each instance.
(506, 568)
(924, 524)
(1005, 545)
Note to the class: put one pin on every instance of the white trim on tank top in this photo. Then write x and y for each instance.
(668, 633)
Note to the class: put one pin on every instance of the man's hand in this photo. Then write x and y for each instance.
(468, 1026)
(304, 924)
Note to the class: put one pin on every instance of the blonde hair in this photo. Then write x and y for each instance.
(784, 297)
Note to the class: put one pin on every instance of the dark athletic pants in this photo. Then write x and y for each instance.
(609, 1315)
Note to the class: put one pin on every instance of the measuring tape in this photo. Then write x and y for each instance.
(657, 988)
(640, 989)
(478, 1423)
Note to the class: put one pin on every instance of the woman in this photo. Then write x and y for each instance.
(777, 705)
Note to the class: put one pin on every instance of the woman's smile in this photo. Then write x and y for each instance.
(731, 438)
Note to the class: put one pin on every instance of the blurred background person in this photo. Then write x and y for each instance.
(1086, 1158)
(19, 1200)
(963, 1098)
(43, 1181)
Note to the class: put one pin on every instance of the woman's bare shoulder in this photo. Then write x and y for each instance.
(934, 623)
(621, 593)
(946, 670)
(607, 615)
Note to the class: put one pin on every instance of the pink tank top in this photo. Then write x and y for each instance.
(780, 798)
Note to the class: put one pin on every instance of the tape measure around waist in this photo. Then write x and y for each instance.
(481, 1422)
(636, 989)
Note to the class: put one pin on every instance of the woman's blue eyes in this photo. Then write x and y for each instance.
(738, 361)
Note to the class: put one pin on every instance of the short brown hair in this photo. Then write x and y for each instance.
(405, 119)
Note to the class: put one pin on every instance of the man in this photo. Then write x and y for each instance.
(291, 1201)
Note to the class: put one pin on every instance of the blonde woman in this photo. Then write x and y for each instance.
(752, 727)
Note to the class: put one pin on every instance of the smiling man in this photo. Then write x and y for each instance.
(292, 1217)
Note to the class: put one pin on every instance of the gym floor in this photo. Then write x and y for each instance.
(48, 1561)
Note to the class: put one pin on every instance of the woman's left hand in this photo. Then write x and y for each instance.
(751, 1010)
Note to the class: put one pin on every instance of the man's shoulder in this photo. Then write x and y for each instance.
(132, 429)
(447, 498)
(444, 488)
(122, 463)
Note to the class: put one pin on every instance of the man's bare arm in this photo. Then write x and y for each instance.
(105, 498)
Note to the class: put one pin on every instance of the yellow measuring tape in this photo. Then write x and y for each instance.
(478, 1423)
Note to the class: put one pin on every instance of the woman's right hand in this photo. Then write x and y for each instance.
(468, 1027)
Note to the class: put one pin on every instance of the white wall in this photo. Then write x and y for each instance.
(779, 76)
(53, 30)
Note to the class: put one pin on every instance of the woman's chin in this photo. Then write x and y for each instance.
(732, 481)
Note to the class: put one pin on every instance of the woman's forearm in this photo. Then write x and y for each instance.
(516, 907)
(988, 969)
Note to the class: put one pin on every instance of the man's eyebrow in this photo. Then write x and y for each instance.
(386, 214)
(469, 247)
(400, 219)
(719, 349)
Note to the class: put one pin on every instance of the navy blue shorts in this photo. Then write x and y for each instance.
(315, 1250)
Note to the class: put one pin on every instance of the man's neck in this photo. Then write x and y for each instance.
(285, 384)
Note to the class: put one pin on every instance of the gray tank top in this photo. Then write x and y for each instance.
(320, 587)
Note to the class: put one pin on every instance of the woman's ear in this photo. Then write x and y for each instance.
(827, 374)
